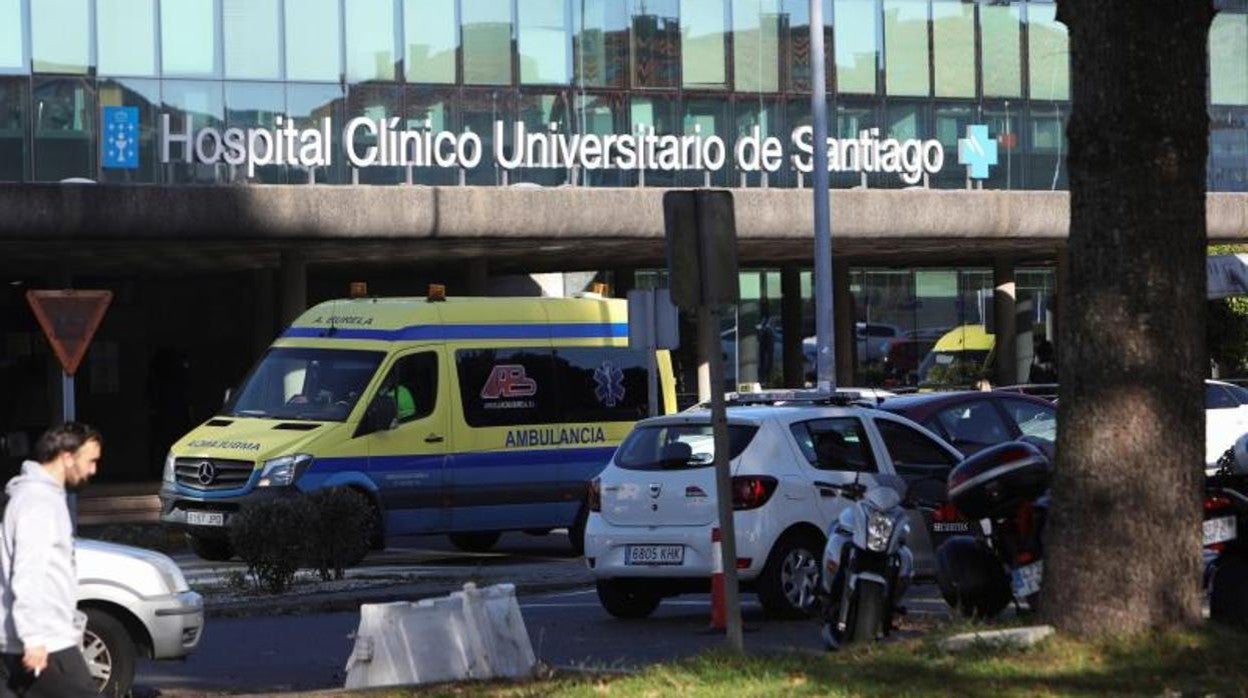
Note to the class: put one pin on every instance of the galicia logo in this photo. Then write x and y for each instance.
(121, 138)
(977, 151)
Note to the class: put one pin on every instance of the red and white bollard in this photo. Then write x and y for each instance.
(719, 619)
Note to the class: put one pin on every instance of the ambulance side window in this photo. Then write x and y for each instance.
(413, 384)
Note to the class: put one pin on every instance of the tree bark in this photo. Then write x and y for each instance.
(1123, 542)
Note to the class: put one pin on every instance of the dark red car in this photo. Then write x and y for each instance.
(973, 420)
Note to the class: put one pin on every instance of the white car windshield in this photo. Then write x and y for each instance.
(678, 446)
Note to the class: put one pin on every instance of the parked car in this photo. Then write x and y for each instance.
(1226, 419)
(138, 605)
(973, 420)
(653, 507)
(901, 362)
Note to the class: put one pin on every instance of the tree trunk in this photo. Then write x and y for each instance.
(1123, 543)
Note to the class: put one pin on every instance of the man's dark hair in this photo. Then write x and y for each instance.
(69, 436)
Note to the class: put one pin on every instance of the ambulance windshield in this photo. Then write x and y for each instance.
(305, 384)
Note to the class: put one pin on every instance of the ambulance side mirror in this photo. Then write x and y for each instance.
(382, 415)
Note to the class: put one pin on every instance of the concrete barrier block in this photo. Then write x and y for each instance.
(997, 639)
(471, 634)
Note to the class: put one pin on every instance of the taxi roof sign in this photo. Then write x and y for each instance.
(69, 320)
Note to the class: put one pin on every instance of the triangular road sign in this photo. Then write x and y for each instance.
(69, 319)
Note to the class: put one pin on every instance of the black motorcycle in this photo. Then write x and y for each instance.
(1226, 548)
(1005, 488)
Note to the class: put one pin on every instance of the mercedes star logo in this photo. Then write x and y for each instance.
(207, 473)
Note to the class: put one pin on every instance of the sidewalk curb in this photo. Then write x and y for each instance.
(338, 601)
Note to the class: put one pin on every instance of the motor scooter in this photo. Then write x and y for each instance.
(867, 565)
(1225, 548)
(1005, 488)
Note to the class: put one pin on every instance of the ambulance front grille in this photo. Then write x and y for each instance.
(210, 474)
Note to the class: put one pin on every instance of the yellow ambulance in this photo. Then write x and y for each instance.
(466, 416)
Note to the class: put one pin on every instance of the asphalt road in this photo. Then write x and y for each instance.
(567, 629)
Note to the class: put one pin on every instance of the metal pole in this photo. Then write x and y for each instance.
(825, 372)
(708, 324)
(68, 414)
(651, 348)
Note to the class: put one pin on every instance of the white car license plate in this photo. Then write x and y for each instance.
(1027, 579)
(205, 518)
(1220, 530)
(654, 555)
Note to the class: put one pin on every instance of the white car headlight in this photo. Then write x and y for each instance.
(170, 476)
(282, 472)
(879, 531)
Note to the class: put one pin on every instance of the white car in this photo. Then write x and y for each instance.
(1226, 419)
(137, 604)
(653, 507)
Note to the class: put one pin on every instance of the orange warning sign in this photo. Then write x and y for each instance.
(69, 319)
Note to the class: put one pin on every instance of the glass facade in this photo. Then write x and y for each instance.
(911, 68)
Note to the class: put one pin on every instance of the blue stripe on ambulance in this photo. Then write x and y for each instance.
(414, 488)
(567, 330)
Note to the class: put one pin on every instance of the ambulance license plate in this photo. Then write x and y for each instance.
(654, 555)
(205, 518)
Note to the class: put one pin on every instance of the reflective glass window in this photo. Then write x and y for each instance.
(1047, 159)
(1228, 59)
(756, 45)
(704, 36)
(543, 41)
(13, 115)
(1228, 149)
(767, 117)
(655, 43)
(602, 115)
(432, 36)
(1048, 53)
(188, 37)
(313, 40)
(903, 121)
(144, 95)
(905, 47)
(706, 117)
(953, 38)
(126, 34)
(479, 109)
(434, 110)
(951, 121)
(252, 33)
(659, 114)
(601, 43)
(798, 114)
(64, 144)
(1004, 122)
(795, 15)
(370, 40)
(851, 120)
(12, 42)
(487, 41)
(376, 103)
(1000, 30)
(191, 106)
(255, 105)
(60, 36)
(308, 105)
(537, 112)
(857, 46)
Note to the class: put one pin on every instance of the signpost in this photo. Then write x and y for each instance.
(701, 235)
(653, 324)
(69, 320)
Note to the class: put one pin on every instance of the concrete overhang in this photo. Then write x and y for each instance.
(519, 228)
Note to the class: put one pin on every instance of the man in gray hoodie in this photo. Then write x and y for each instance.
(40, 628)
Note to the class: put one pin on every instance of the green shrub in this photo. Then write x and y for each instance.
(339, 532)
(272, 537)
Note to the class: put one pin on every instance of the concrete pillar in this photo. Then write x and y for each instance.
(1062, 291)
(265, 303)
(294, 273)
(791, 326)
(623, 280)
(478, 278)
(843, 299)
(1003, 297)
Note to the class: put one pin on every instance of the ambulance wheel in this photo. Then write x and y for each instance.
(212, 549)
(474, 542)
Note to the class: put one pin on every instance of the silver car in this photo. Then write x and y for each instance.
(137, 604)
